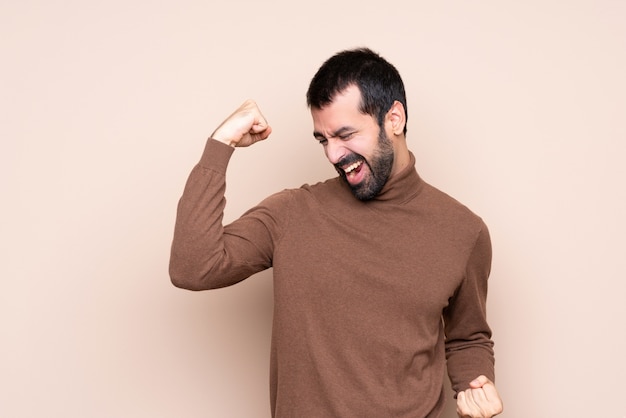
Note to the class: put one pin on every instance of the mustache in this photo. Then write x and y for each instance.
(348, 160)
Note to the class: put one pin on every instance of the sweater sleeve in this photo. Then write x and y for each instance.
(204, 253)
(469, 348)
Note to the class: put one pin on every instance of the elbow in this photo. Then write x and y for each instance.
(182, 282)
(190, 273)
(185, 278)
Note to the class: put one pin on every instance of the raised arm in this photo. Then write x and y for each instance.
(203, 254)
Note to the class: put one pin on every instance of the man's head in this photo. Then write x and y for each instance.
(378, 81)
(358, 105)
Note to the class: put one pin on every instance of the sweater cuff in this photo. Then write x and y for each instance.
(216, 156)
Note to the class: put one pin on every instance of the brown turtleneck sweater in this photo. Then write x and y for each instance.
(369, 297)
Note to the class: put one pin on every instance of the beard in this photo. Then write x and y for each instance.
(379, 169)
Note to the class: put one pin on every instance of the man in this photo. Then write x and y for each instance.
(379, 278)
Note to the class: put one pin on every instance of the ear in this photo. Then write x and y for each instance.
(396, 118)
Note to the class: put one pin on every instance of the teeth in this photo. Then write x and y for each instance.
(352, 167)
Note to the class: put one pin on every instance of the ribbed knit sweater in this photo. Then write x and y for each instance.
(370, 298)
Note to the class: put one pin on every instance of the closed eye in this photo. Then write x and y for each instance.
(320, 138)
(344, 133)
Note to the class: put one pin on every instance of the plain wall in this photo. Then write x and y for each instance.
(515, 108)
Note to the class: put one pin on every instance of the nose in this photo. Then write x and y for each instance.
(335, 151)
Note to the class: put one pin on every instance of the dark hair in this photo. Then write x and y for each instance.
(379, 82)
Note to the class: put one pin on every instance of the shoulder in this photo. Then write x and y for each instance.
(450, 211)
(306, 195)
(323, 192)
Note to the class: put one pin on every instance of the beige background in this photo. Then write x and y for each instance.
(515, 107)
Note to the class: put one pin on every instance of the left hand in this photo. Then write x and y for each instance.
(481, 400)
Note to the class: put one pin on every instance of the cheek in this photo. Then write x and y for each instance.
(364, 152)
(366, 146)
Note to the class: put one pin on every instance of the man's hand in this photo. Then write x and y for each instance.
(244, 127)
(481, 400)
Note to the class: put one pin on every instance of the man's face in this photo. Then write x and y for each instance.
(353, 142)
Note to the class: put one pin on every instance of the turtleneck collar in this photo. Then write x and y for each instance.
(402, 186)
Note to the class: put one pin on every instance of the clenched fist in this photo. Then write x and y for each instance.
(481, 400)
(244, 127)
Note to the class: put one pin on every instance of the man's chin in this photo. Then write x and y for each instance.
(366, 189)
(362, 192)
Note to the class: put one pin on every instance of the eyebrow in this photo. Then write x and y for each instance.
(338, 132)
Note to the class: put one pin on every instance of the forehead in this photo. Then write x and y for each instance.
(342, 110)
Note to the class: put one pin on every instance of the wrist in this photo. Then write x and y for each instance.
(223, 137)
(223, 140)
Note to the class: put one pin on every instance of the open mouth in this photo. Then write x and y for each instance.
(353, 171)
